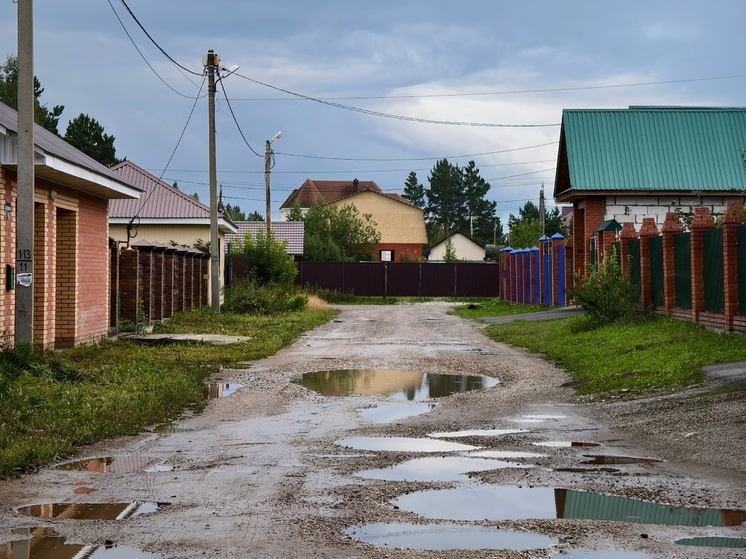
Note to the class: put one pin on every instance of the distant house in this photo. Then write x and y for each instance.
(401, 225)
(70, 278)
(463, 246)
(627, 164)
(164, 214)
(291, 232)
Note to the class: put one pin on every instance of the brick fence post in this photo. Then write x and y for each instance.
(701, 222)
(647, 231)
(671, 227)
(731, 221)
(129, 285)
(535, 258)
(158, 281)
(169, 294)
(627, 234)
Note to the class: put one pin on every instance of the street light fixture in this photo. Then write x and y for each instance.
(268, 156)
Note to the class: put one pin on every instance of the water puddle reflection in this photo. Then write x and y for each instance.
(46, 544)
(523, 503)
(507, 454)
(476, 433)
(441, 537)
(394, 412)
(172, 427)
(714, 541)
(564, 444)
(605, 554)
(220, 389)
(402, 444)
(397, 384)
(606, 459)
(89, 511)
(448, 468)
(117, 465)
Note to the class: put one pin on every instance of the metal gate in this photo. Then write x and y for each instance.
(682, 256)
(712, 253)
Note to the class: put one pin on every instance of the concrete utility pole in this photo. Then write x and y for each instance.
(267, 170)
(211, 63)
(24, 319)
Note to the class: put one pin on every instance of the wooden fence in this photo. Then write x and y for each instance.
(151, 281)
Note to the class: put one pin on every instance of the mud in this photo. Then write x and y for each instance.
(260, 474)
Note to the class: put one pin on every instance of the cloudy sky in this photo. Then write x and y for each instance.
(309, 68)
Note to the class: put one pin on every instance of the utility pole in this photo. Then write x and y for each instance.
(211, 63)
(24, 319)
(267, 170)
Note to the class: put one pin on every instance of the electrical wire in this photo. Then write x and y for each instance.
(394, 116)
(228, 102)
(140, 25)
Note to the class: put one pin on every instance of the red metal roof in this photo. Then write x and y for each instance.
(313, 191)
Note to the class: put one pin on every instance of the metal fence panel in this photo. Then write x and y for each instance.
(326, 275)
(365, 278)
(438, 280)
(714, 263)
(682, 256)
(475, 279)
(403, 279)
(656, 271)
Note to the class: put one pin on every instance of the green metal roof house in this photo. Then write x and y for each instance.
(627, 164)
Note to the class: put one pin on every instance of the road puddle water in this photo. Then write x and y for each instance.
(440, 537)
(714, 541)
(564, 444)
(605, 554)
(476, 433)
(389, 413)
(172, 427)
(524, 503)
(215, 390)
(437, 469)
(117, 465)
(89, 511)
(46, 544)
(396, 384)
(402, 444)
(507, 454)
(609, 460)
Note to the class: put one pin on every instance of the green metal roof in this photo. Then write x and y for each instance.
(651, 149)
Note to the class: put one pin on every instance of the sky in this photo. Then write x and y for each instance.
(372, 90)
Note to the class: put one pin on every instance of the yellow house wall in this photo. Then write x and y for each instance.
(396, 221)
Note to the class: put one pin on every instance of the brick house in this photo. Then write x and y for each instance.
(164, 215)
(625, 165)
(71, 238)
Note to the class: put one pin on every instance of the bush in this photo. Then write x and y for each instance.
(331, 295)
(607, 294)
(269, 260)
(249, 297)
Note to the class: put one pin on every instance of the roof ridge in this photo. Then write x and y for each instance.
(159, 182)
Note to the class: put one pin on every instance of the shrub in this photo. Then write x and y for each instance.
(250, 297)
(269, 260)
(607, 294)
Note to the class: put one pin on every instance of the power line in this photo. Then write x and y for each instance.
(397, 117)
(236, 120)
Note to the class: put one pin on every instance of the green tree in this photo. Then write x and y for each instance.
(525, 234)
(235, 213)
(254, 216)
(445, 202)
(48, 118)
(270, 262)
(449, 256)
(481, 223)
(414, 192)
(527, 223)
(87, 134)
(334, 233)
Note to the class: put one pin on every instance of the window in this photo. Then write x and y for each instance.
(386, 255)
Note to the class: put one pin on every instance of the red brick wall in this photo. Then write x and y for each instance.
(412, 250)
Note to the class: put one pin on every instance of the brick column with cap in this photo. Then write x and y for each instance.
(731, 221)
(628, 233)
(702, 221)
(671, 226)
(647, 231)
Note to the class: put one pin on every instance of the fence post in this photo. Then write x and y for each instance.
(129, 284)
(649, 229)
(628, 234)
(168, 282)
(702, 221)
(535, 257)
(671, 226)
(731, 221)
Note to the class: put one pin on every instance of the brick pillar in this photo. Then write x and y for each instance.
(158, 282)
(145, 251)
(627, 234)
(732, 219)
(648, 230)
(129, 285)
(579, 244)
(113, 284)
(671, 226)
(535, 287)
(169, 294)
(189, 281)
(701, 222)
(205, 281)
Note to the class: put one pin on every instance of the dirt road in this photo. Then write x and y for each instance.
(258, 473)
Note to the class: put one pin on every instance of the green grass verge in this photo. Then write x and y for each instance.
(492, 306)
(117, 387)
(660, 354)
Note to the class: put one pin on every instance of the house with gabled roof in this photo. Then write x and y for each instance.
(463, 246)
(642, 162)
(70, 277)
(163, 214)
(313, 192)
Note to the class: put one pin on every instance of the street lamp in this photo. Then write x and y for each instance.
(268, 155)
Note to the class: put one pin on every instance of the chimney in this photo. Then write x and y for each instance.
(356, 185)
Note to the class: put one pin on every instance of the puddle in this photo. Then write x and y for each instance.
(564, 444)
(220, 389)
(605, 554)
(448, 468)
(397, 384)
(89, 511)
(172, 427)
(441, 537)
(714, 541)
(608, 460)
(528, 420)
(476, 433)
(522, 503)
(45, 544)
(117, 465)
(393, 412)
(588, 470)
(402, 444)
(544, 416)
(507, 454)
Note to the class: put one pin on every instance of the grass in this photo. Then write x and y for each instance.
(492, 306)
(660, 354)
(74, 397)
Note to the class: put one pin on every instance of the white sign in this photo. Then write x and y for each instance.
(24, 280)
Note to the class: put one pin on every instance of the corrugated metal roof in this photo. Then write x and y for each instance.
(312, 191)
(291, 231)
(651, 149)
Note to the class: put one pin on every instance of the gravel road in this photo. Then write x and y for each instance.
(258, 473)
